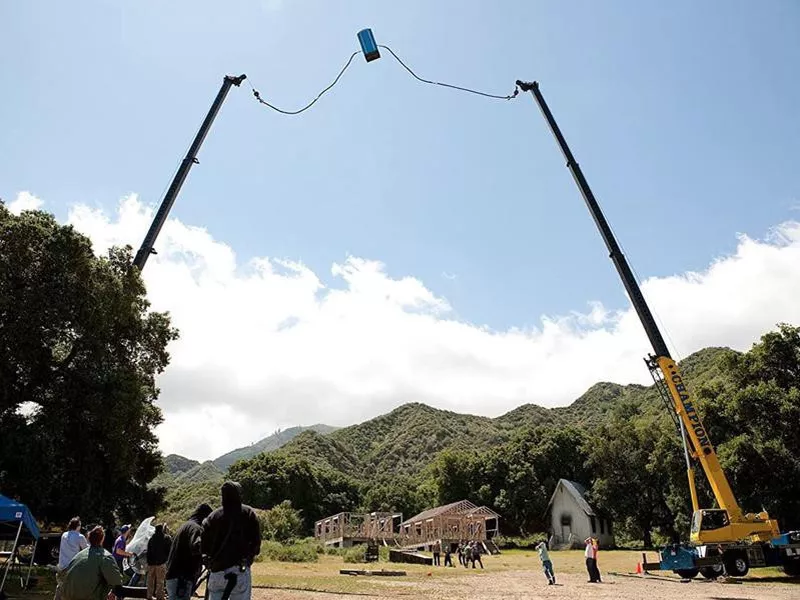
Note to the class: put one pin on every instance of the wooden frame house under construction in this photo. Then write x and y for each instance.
(346, 529)
(451, 524)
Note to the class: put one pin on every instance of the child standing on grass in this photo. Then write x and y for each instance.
(547, 564)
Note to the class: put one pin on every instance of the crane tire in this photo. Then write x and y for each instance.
(792, 568)
(712, 572)
(735, 564)
(687, 573)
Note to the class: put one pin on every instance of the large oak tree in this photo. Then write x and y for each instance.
(79, 352)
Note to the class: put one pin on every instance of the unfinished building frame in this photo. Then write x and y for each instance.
(450, 524)
(346, 529)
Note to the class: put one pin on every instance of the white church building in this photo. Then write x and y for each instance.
(571, 519)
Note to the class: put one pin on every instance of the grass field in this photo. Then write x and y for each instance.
(512, 574)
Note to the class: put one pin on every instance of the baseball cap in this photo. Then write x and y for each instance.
(124, 528)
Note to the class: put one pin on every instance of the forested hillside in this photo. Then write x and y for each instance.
(187, 482)
(405, 441)
(618, 440)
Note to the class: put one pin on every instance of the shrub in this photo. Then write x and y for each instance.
(355, 554)
(280, 523)
(293, 552)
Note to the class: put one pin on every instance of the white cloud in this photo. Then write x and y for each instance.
(266, 344)
(24, 201)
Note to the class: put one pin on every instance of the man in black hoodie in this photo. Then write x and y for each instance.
(185, 558)
(231, 541)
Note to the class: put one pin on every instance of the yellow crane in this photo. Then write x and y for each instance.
(720, 537)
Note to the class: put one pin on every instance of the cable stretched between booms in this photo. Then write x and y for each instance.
(310, 104)
(258, 97)
(447, 85)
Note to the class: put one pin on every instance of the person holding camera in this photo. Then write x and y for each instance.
(231, 540)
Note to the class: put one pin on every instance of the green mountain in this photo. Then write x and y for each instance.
(188, 482)
(406, 440)
(206, 471)
(174, 464)
(268, 444)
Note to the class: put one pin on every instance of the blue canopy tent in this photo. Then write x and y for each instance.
(17, 523)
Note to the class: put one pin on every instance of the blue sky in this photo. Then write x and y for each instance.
(683, 116)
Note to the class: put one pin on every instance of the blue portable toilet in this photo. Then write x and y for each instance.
(368, 45)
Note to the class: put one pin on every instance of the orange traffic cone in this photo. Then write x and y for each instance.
(639, 568)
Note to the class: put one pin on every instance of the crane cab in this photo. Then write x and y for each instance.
(711, 525)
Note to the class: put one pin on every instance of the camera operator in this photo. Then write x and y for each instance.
(231, 541)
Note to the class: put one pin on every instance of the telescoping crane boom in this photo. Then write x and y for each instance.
(727, 524)
(146, 249)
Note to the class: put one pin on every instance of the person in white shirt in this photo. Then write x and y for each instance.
(72, 542)
(591, 560)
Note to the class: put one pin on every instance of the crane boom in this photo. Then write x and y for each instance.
(615, 252)
(146, 249)
(733, 524)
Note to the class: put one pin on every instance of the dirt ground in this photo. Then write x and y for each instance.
(519, 585)
(512, 575)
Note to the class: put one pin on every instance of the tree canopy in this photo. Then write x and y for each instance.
(753, 414)
(79, 352)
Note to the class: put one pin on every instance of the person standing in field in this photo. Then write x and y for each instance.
(72, 542)
(448, 556)
(231, 539)
(119, 547)
(158, 547)
(437, 553)
(596, 559)
(185, 562)
(547, 564)
(92, 574)
(591, 560)
(476, 554)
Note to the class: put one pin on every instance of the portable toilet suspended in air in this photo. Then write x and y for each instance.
(368, 45)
